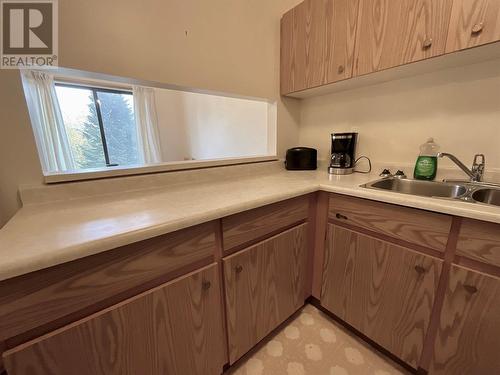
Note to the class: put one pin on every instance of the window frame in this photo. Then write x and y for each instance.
(95, 90)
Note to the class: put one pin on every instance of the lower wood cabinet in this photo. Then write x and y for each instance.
(383, 290)
(264, 285)
(468, 338)
(42, 301)
(173, 329)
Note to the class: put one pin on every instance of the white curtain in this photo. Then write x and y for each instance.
(146, 121)
(47, 122)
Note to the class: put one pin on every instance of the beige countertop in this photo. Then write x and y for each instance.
(46, 234)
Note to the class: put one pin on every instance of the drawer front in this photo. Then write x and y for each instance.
(173, 329)
(415, 226)
(251, 225)
(73, 290)
(480, 241)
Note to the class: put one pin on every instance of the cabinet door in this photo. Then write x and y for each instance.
(172, 329)
(317, 43)
(468, 338)
(264, 286)
(392, 33)
(473, 23)
(383, 290)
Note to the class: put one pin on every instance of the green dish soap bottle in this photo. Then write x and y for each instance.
(426, 165)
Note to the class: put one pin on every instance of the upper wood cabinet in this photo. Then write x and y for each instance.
(392, 33)
(473, 23)
(173, 329)
(264, 285)
(468, 336)
(325, 41)
(317, 43)
(383, 290)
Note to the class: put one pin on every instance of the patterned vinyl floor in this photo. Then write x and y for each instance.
(313, 344)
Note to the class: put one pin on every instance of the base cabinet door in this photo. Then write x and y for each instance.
(264, 285)
(383, 290)
(468, 338)
(173, 329)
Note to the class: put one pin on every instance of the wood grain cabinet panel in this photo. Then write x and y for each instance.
(173, 329)
(383, 290)
(288, 62)
(67, 292)
(392, 33)
(418, 227)
(468, 338)
(473, 23)
(252, 225)
(479, 240)
(317, 43)
(264, 285)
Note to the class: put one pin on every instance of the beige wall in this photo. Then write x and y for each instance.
(225, 45)
(459, 107)
(19, 161)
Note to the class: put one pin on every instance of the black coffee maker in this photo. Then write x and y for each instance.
(343, 153)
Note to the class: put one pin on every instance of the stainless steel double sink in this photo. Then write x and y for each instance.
(474, 192)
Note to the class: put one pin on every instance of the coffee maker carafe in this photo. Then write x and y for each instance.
(343, 153)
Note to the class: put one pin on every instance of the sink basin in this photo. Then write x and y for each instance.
(421, 188)
(488, 196)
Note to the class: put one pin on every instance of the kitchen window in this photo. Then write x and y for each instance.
(100, 125)
(93, 126)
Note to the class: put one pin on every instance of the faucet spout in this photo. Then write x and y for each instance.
(475, 174)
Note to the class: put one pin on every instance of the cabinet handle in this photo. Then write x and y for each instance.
(420, 270)
(427, 43)
(470, 288)
(238, 268)
(341, 69)
(477, 28)
(340, 216)
(205, 285)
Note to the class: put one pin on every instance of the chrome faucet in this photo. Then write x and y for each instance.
(476, 173)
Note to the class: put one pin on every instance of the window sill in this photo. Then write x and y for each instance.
(91, 174)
